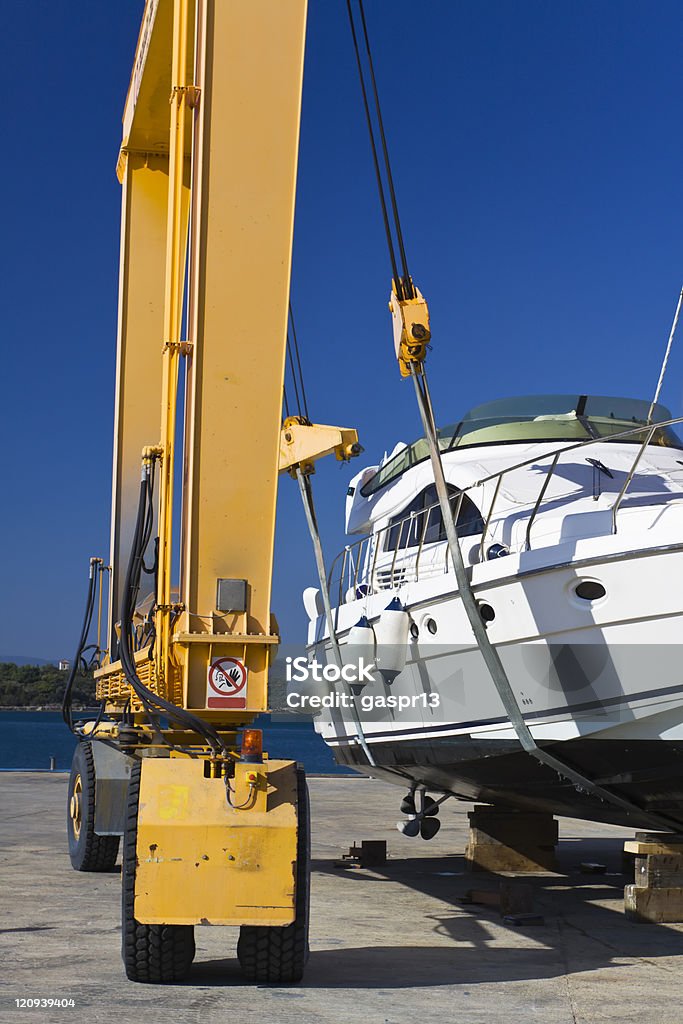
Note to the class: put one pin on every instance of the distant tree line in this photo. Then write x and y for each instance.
(38, 685)
(30, 686)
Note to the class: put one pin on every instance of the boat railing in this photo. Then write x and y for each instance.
(389, 557)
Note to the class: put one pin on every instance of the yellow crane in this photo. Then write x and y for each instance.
(214, 831)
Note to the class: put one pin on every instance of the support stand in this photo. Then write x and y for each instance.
(515, 841)
(657, 895)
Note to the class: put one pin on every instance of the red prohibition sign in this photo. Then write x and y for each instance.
(227, 677)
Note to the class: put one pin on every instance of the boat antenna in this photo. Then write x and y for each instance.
(666, 358)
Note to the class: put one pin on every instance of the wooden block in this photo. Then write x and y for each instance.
(488, 824)
(653, 905)
(516, 841)
(644, 849)
(659, 871)
(484, 897)
(373, 852)
(497, 857)
(510, 897)
(489, 835)
(516, 898)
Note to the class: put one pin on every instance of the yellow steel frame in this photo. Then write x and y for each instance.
(204, 860)
(141, 312)
(176, 243)
(210, 145)
(250, 65)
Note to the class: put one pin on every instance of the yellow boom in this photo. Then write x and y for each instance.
(224, 161)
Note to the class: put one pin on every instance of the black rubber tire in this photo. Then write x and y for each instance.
(153, 953)
(87, 851)
(279, 955)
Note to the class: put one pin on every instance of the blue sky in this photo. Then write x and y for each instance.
(537, 155)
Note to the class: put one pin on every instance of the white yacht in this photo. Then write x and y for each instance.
(569, 513)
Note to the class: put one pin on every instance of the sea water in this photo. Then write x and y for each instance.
(28, 739)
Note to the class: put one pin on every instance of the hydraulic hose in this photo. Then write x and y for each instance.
(85, 629)
(151, 701)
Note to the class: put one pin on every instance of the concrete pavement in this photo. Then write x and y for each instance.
(389, 946)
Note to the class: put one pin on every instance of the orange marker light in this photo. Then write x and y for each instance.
(252, 746)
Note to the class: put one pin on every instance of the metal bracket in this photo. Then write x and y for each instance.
(412, 332)
(184, 348)
(302, 443)
(191, 94)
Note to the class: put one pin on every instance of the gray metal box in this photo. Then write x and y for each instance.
(231, 595)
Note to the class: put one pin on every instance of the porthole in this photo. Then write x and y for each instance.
(431, 626)
(486, 611)
(414, 631)
(589, 590)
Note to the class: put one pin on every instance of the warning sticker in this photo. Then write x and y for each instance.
(226, 684)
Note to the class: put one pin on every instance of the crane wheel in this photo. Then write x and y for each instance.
(272, 954)
(154, 953)
(87, 851)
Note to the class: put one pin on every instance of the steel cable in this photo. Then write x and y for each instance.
(375, 158)
(408, 289)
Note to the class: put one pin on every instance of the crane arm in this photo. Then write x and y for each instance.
(209, 154)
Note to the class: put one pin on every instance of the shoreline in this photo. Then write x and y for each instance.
(277, 717)
(47, 707)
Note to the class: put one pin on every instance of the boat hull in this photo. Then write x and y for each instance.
(601, 687)
(649, 773)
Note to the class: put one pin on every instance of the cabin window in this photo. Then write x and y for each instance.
(404, 532)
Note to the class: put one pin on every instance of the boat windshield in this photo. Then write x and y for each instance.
(535, 418)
